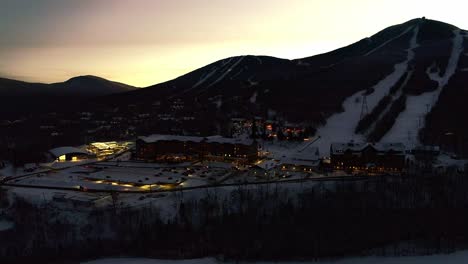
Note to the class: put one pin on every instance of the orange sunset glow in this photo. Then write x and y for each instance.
(144, 42)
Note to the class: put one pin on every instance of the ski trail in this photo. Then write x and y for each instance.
(410, 121)
(340, 127)
(388, 41)
(226, 72)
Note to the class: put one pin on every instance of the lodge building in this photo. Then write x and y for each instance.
(171, 148)
(379, 157)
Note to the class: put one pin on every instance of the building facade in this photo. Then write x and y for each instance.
(169, 148)
(385, 157)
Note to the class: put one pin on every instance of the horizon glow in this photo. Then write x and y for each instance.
(145, 42)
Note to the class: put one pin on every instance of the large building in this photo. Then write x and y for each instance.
(64, 154)
(380, 157)
(305, 158)
(170, 148)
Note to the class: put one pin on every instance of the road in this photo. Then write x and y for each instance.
(177, 189)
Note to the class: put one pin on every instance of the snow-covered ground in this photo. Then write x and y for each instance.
(105, 177)
(253, 98)
(445, 161)
(340, 127)
(410, 121)
(455, 258)
(6, 225)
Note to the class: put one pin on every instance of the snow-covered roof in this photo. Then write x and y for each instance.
(267, 164)
(304, 155)
(157, 137)
(6, 225)
(104, 145)
(210, 139)
(224, 140)
(57, 152)
(339, 148)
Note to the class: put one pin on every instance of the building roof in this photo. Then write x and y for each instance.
(157, 137)
(267, 164)
(104, 145)
(340, 148)
(224, 140)
(57, 152)
(304, 155)
(210, 139)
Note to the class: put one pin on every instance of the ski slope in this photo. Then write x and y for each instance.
(410, 121)
(390, 40)
(340, 127)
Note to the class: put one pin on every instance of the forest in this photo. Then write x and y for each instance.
(387, 215)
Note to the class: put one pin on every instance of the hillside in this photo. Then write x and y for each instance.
(77, 86)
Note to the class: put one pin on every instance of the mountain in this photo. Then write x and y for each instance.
(406, 83)
(77, 86)
(382, 88)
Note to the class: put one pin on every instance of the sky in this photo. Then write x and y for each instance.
(145, 42)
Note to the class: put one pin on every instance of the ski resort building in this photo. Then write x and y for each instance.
(304, 159)
(380, 157)
(170, 148)
(65, 154)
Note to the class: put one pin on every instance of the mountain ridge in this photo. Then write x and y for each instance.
(86, 85)
(402, 65)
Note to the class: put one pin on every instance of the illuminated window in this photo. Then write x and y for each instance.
(62, 158)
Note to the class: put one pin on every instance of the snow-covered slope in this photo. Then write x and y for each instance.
(409, 122)
(455, 258)
(341, 127)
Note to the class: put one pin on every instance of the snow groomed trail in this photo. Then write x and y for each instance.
(410, 121)
(340, 127)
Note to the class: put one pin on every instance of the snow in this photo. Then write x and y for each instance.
(219, 103)
(454, 258)
(6, 225)
(445, 160)
(388, 41)
(340, 127)
(253, 98)
(237, 74)
(9, 170)
(453, 61)
(205, 77)
(259, 60)
(227, 71)
(410, 121)
(151, 261)
(57, 152)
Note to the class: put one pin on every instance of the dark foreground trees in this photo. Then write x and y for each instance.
(380, 215)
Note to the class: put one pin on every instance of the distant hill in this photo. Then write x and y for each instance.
(77, 86)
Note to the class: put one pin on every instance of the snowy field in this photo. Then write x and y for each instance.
(6, 225)
(455, 258)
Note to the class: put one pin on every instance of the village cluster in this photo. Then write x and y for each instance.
(149, 166)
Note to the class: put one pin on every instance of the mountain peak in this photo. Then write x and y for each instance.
(85, 78)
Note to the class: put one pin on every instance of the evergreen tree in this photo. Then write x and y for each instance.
(254, 130)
